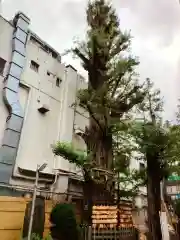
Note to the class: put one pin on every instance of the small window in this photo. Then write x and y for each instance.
(2, 65)
(34, 66)
(48, 73)
(58, 82)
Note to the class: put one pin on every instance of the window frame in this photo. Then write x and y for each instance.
(34, 66)
(58, 82)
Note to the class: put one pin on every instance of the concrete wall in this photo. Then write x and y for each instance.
(40, 130)
(35, 89)
(5, 53)
(55, 125)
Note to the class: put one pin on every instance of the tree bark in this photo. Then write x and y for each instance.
(99, 143)
(88, 198)
(153, 187)
(100, 146)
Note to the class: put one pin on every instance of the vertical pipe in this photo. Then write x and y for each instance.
(33, 205)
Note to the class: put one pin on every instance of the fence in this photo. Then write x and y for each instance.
(12, 210)
(11, 217)
(110, 234)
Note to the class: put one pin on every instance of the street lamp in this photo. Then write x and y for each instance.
(39, 169)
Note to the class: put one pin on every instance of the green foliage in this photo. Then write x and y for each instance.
(173, 153)
(113, 88)
(151, 136)
(66, 150)
(152, 141)
(36, 237)
(112, 94)
(64, 222)
(129, 183)
(177, 207)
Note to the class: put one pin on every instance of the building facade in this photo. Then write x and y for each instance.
(173, 187)
(37, 93)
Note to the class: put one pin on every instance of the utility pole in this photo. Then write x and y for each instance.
(38, 170)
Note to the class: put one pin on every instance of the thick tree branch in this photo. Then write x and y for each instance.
(83, 58)
(95, 119)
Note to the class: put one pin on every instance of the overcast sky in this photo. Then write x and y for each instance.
(154, 24)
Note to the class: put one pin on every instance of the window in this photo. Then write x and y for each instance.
(34, 66)
(58, 82)
(170, 190)
(54, 55)
(178, 188)
(48, 73)
(2, 65)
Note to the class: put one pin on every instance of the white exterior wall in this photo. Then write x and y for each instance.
(40, 131)
(5, 53)
(58, 123)
(135, 164)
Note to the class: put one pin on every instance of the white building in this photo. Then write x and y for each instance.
(37, 93)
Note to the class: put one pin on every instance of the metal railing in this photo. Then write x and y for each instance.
(90, 233)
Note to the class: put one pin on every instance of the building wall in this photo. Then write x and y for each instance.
(35, 89)
(42, 129)
(173, 190)
(5, 53)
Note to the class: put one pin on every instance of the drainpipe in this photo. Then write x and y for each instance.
(53, 184)
(10, 142)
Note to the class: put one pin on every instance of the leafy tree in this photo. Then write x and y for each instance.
(173, 158)
(173, 152)
(153, 143)
(177, 211)
(112, 85)
(159, 144)
(113, 91)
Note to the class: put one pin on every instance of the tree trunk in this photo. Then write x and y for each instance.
(88, 198)
(99, 144)
(154, 209)
(149, 200)
(178, 227)
(100, 147)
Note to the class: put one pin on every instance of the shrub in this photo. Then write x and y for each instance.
(64, 226)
